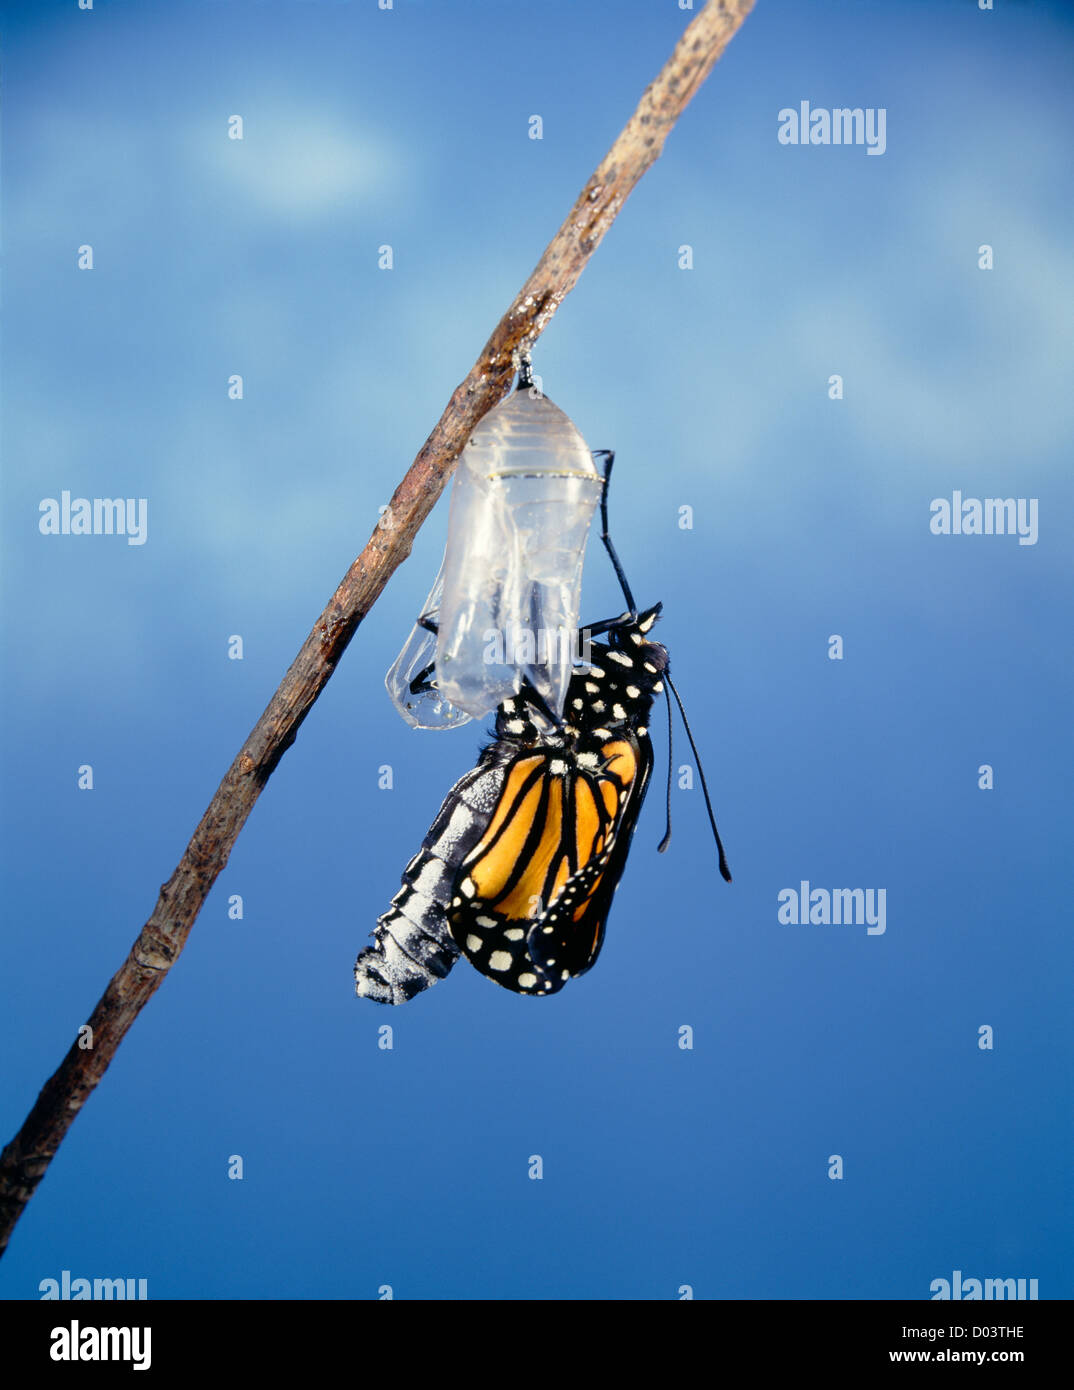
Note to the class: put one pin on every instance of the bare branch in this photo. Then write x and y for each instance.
(27, 1157)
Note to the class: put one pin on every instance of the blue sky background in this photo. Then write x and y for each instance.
(662, 1167)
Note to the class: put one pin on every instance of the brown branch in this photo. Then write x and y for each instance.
(26, 1158)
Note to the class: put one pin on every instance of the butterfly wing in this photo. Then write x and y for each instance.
(567, 939)
(532, 895)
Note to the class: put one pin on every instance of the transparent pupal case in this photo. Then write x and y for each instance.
(506, 600)
(410, 681)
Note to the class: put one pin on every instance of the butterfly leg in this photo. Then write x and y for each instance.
(532, 696)
(421, 684)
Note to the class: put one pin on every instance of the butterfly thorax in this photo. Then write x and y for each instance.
(612, 691)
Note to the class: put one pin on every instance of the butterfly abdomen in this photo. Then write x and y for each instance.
(412, 945)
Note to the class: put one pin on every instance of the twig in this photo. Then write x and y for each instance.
(26, 1158)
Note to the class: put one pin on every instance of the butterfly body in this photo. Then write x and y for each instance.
(518, 870)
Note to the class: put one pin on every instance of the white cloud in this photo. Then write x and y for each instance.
(300, 164)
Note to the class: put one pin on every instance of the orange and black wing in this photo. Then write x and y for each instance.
(532, 897)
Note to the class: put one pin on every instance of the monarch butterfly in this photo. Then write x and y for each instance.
(521, 505)
(518, 869)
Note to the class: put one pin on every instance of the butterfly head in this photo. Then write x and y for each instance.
(631, 637)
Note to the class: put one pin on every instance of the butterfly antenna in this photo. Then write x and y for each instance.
(724, 870)
(662, 846)
(608, 455)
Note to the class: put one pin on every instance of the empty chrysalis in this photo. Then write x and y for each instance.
(504, 607)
